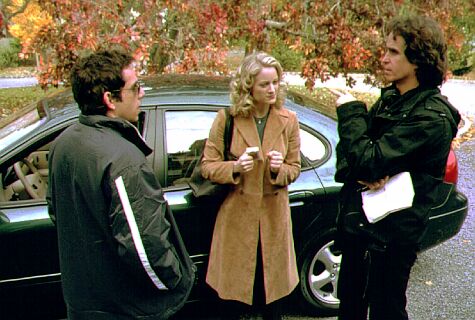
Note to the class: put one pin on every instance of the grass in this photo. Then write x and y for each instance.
(17, 72)
(324, 100)
(15, 100)
(12, 100)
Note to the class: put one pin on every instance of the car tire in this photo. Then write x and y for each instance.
(319, 271)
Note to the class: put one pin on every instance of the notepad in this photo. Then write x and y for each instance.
(397, 194)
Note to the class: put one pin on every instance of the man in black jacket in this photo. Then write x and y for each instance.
(121, 254)
(409, 129)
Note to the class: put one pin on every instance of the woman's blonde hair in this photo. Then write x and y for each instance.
(241, 98)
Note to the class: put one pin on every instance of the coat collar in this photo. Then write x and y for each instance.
(395, 105)
(126, 129)
(276, 123)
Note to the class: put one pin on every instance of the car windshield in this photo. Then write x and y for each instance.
(20, 127)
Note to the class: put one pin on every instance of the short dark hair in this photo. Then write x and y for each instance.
(95, 74)
(425, 47)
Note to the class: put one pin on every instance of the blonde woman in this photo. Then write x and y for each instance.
(252, 257)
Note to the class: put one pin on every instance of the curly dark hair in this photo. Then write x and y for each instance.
(95, 74)
(425, 47)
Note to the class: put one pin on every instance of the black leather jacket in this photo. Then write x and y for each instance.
(413, 133)
(121, 254)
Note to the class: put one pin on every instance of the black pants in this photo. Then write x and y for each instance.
(269, 311)
(230, 309)
(374, 279)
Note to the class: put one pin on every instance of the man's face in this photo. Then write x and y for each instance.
(396, 68)
(131, 93)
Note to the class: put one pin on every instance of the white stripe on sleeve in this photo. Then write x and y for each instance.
(124, 198)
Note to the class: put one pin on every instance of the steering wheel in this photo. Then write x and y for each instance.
(34, 183)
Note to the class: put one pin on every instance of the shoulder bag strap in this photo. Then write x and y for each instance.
(228, 133)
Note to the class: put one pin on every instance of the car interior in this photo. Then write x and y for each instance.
(181, 164)
(27, 178)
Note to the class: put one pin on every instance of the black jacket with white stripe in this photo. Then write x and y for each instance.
(121, 254)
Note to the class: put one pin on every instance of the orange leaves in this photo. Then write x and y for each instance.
(27, 24)
(355, 55)
(195, 35)
(209, 60)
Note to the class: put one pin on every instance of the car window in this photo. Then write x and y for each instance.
(27, 177)
(312, 147)
(186, 133)
(20, 127)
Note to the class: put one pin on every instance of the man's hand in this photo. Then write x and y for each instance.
(343, 97)
(375, 185)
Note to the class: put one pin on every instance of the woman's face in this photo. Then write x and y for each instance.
(265, 87)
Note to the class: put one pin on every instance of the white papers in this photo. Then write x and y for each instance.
(397, 194)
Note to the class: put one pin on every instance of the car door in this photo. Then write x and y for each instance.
(29, 260)
(29, 267)
(182, 131)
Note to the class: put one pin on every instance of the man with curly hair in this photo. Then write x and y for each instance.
(409, 129)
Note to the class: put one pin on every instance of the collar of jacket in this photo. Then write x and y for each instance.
(276, 123)
(391, 104)
(126, 129)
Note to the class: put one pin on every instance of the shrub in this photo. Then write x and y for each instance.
(290, 60)
(9, 50)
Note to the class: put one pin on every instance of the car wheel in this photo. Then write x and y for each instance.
(319, 277)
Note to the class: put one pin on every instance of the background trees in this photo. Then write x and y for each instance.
(8, 10)
(318, 38)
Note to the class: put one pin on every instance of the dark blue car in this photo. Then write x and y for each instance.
(177, 113)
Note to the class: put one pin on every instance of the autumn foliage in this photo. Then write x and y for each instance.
(195, 36)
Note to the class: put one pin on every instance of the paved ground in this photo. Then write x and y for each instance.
(17, 82)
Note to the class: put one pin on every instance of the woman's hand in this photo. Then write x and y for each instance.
(275, 160)
(245, 163)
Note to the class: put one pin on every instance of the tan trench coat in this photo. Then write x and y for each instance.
(256, 202)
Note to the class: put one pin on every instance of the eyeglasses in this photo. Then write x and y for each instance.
(137, 86)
